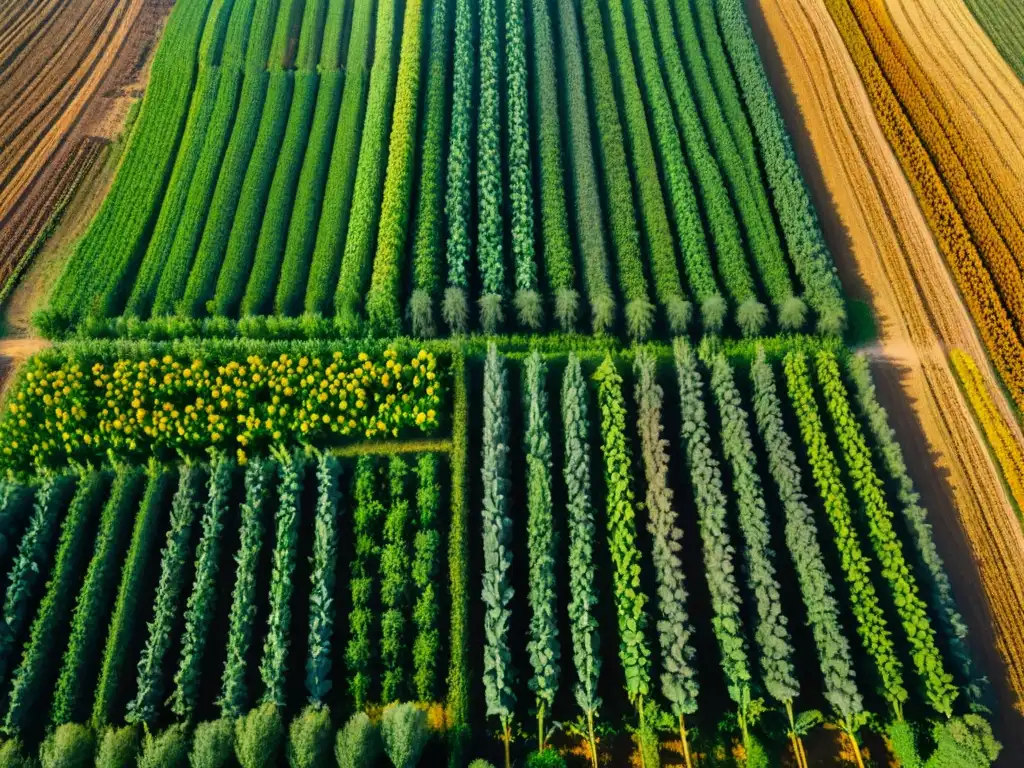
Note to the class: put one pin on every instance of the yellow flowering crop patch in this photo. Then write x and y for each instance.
(69, 410)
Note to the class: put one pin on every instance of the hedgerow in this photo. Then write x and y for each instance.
(455, 308)
(679, 191)
(201, 602)
(173, 561)
(427, 237)
(542, 543)
(738, 166)
(93, 603)
(234, 693)
(366, 193)
(336, 35)
(382, 300)
(174, 274)
(261, 35)
(529, 307)
(245, 224)
(34, 674)
(184, 404)
(586, 203)
(35, 551)
(799, 222)
(630, 599)
(709, 495)
(458, 695)
(772, 634)
(928, 661)
(395, 583)
(309, 194)
(583, 630)
(658, 234)
(323, 577)
(337, 202)
(557, 250)
(425, 568)
(311, 34)
(801, 533)
(202, 278)
(675, 630)
(871, 625)
(286, 29)
(364, 633)
(490, 231)
(276, 642)
(266, 261)
(496, 591)
(124, 619)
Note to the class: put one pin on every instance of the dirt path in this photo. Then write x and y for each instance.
(887, 256)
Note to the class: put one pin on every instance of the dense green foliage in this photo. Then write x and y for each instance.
(34, 674)
(364, 633)
(358, 742)
(173, 561)
(213, 744)
(259, 736)
(425, 570)
(403, 731)
(201, 602)
(395, 584)
(234, 696)
(323, 577)
(542, 543)
(310, 738)
(496, 590)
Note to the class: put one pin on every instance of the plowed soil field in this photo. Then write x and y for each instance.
(888, 257)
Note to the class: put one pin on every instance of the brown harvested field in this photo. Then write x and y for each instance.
(887, 256)
(973, 81)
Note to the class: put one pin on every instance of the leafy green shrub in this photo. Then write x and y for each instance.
(122, 622)
(213, 744)
(89, 619)
(119, 747)
(964, 742)
(480, 763)
(323, 577)
(70, 746)
(201, 602)
(173, 560)
(310, 738)
(286, 535)
(490, 229)
(364, 637)
(545, 758)
(457, 196)
(234, 696)
(395, 584)
(32, 678)
(498, 673)
(678, 678)
(259, 736)
(358, 743)
(425, 567)
(12, 755)
(542, 543)
(169, 749)
(403, 729)
(583, 630)
(903, 740)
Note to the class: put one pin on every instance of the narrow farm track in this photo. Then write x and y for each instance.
(886, 252)
(973, 81)
(65, 91)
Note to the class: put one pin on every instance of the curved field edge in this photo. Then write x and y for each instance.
(889, 250)
(1003, 20)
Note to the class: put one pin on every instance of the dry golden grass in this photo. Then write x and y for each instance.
(892, 252)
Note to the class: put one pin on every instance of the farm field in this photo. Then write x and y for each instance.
(494, 383)
(1001, 21)
(920, 317)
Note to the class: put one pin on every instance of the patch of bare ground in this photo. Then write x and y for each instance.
(887, 257)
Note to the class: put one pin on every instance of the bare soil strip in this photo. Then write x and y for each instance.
(887, 255)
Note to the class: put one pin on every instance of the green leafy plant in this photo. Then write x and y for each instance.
(213, 744)
(395, 584)
(490, 230)
(358, 742)
(70, 746)
(499, 674)
(364, 631)
(310, 738)
(425, 567)
(259, 736)
(168, 749)
(118, 748)
(678, 679)
(404, 733)
(322, 577)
